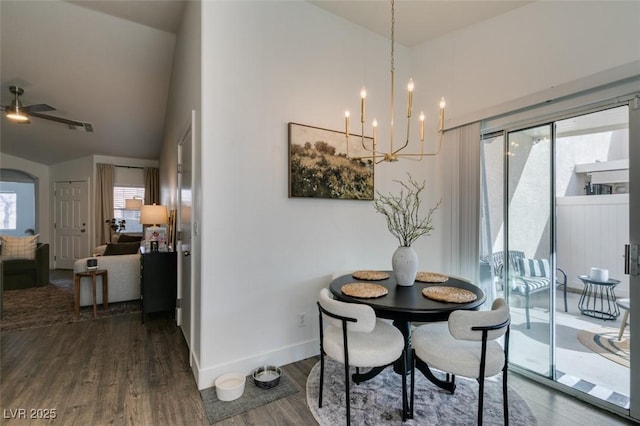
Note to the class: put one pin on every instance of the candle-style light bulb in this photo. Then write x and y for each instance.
(363, 95)
(442, 105)
(346, 122)
(375, 131)
(409, 96)
(421, 125)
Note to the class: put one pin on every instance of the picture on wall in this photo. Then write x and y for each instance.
(319, 167)
(172, 230)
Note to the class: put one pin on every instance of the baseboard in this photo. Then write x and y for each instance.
(206, 377)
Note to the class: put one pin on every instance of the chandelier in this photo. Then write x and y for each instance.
(393, 154)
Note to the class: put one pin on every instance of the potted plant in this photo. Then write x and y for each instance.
(406, 223)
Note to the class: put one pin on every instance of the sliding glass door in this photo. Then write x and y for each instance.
(556, 203)
(528, 252)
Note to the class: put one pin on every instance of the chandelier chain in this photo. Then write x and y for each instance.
(393, 26)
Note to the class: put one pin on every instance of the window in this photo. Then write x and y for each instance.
(8, 210)
(131, 217)
(17, 202)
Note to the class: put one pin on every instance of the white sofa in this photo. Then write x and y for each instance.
(123, 277)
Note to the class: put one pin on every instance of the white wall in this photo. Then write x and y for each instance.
(533, 48)
(184, 97)
(265, 256)
(85, 169)
(592, 232)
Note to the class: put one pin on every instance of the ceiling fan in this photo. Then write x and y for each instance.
(20, 114)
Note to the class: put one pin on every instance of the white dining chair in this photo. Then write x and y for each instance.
(354, 337)
(466, 345)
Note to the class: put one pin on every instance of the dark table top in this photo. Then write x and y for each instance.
(408, 303)
(587, 279)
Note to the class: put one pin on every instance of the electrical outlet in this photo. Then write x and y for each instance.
(302, 319)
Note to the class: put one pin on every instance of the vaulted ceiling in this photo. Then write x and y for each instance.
(91, 66)
(108, 63)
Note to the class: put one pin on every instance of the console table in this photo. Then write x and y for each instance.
(158, 282)
(598, 299)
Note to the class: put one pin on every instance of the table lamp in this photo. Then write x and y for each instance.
(133, 204)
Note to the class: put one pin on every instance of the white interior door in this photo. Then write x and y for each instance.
(184, 315)
(71, 214)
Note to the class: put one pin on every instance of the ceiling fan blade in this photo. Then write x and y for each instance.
(57, 119)
(38, 108)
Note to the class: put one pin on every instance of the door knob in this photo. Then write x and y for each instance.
(186, 253)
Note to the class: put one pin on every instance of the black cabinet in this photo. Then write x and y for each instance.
(158, 278)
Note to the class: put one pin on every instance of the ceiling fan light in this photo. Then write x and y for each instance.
(16, 115)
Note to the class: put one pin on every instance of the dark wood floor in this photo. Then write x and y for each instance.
(117, 371)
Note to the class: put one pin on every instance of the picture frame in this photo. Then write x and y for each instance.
(155, 239)
(319, 167)
(172, 230)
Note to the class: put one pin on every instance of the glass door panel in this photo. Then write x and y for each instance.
(491, 214)
(527, 259)
(592, 210)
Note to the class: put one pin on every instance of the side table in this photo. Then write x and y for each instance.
(624, 304)
(105, 289)
(598, 299)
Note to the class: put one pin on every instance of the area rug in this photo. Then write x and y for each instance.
(253, 397)
(52, 304)
(379, 401)
(604, 341)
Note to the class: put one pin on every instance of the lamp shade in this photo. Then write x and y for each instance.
(154, 215)
(132, 204)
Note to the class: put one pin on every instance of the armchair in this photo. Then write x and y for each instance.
(356, 338)
(26, 273)
(467, 346)
(528, 276)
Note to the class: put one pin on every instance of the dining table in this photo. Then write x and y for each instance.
(405, 305)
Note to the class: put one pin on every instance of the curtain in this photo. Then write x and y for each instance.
(461, 200)
(104, 201)
(151, 185)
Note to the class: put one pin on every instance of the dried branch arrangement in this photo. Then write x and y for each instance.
(403, 212)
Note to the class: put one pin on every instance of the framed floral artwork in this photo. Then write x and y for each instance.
(319, 166)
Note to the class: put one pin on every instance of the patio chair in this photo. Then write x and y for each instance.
(528, 276)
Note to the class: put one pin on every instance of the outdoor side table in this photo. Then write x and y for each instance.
(598, 299)
(625, 305)
(92, 275)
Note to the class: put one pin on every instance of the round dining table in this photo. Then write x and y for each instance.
(405, 305)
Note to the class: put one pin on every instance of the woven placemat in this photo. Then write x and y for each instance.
(364, 290)
(370, 275)
(431, 277)
(449, 294)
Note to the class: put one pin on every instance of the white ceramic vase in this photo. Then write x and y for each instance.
(405, 265)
